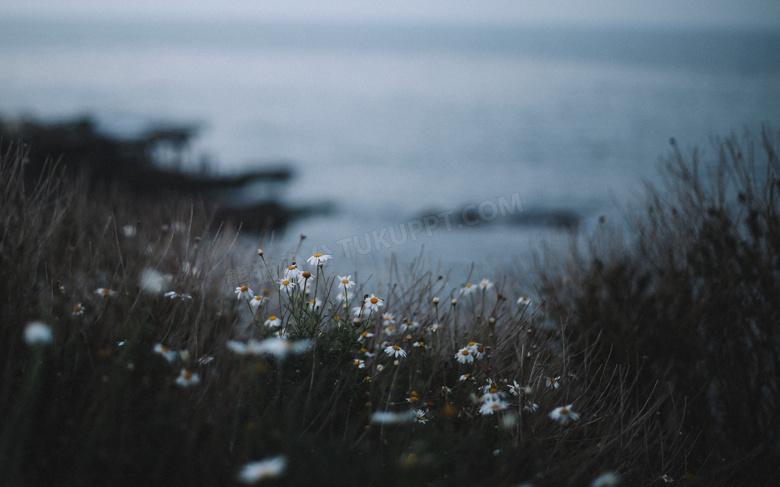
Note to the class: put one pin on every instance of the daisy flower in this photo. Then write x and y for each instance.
(409, 325)
(395, 351)
(485, 284)
(152, 282)
(476, 349)
(531, 407)
(206, 359)
(343, 297)
(314, 304)
(286, 285)
(276, 346)
(167, 354)
(667, 479)
(360, 364)
(317, 259)
(388, 319)
(464, 356)
(514, 388)
(491, 387)
(273, 322)
(553, 382)
(468, 289)
(256, 302)
(419, 416)
(37, 333)
(390, 417)
(360, 312)
(564, 414)
(262, 470)
(174, 295)
(280, 347)
(243, 292)
(365, 335)
(237, 347)
(292, 272)
(524, 300)
(78, 310)
(346, 283)
(187, 378)
(105, 292)
(490, 407)
(373, 303)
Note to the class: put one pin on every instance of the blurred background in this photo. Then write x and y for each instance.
(391, 112)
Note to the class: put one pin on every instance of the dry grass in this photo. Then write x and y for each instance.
(657, 342)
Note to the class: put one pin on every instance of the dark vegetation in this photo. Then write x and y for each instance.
(663, 337)
(148, 166)
(689, 297)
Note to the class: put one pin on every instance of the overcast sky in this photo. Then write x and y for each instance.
(739, 13)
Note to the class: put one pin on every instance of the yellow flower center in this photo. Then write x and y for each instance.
(464, 352)
(285, 283)
(564, 411)
(272, 318)
(187, 374)
(396, 348)
(471, 344)
(318, 255)
(244, 289)
(374, 300)
(345, 281)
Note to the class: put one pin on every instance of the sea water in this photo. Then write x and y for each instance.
(422, 139)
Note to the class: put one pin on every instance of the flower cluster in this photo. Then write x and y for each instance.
(471, 352)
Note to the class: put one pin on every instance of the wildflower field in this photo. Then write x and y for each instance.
(647, 354)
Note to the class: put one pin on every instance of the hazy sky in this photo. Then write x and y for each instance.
(760, 13)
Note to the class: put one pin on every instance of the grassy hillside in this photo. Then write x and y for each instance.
(646, 355)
